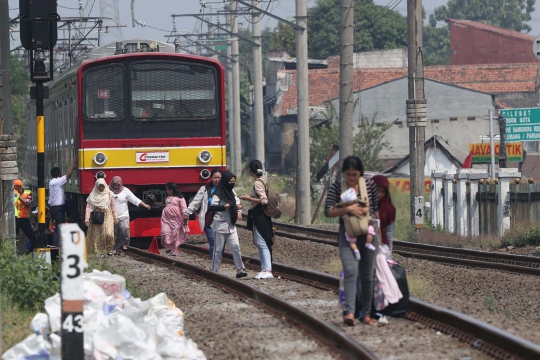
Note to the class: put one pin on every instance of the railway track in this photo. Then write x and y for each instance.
(520, 264)
(322, 332)
(488, 339)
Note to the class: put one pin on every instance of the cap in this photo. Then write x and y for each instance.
(17, 182)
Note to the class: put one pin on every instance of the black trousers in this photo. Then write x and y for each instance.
(58, 215)
(26, 227)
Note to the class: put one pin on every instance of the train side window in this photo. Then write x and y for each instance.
(104, 93)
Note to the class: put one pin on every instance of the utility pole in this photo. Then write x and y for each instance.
(237, 125)
(303, 195)
(230, 89)
(258, 111)
(502, 133)
(346, 65)
(416, 108)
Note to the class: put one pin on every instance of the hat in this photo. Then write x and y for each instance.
(17, 183)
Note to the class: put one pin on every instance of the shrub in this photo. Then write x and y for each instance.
(25, 280)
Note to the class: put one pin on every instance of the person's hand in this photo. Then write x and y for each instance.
(244, 197)
(87, 223)
(239, 215)
(227, 206)
(356, 210)
(147, 206)
(116, 220)
(239, 207)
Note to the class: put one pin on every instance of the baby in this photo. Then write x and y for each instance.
(350, 195)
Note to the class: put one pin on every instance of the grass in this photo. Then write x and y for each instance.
(420, 287)
(15, 323)
(491, 305)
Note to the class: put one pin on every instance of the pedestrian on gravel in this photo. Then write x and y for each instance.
(174, 229)
(352, 169)
(201, 202)
(258, 221)
(100, 217)
(122, 195)
(57, 197)
(227, 210)
(387, 210)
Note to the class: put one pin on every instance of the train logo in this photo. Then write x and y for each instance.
(152, 157)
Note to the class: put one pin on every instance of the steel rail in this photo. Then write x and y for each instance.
(520, 264)
(489, 339)
(343, 343)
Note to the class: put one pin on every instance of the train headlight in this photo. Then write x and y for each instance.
(100, 175)
(100, 158)
(205, 174)
(205, 156)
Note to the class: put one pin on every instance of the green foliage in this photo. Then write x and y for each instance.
(367, 143)
(376, 28)
(508, 14)
(436, 42)
(25, 280)
(20, 81)
(521, 235)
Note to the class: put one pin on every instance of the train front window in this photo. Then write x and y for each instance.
(104, 93)
(162, 90)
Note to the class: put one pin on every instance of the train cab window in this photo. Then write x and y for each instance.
(162, 90)
(104, 93)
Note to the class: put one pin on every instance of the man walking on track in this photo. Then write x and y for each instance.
(23, 203)
(57, 198)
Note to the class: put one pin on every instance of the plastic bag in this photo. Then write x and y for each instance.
(53, 309)
(110, 283)
(342, 289)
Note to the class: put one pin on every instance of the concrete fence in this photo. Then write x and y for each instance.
(469, 204)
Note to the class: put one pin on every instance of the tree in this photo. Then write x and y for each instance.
(20, 80)
(368, 143)
(376, 28)
(436, 41)
(508, 14)
(283, 39)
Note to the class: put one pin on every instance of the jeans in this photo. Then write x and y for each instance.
(210, 236)
(355, 271)
(24, 224)
(234, 245)
(58, 214)
(264, 252)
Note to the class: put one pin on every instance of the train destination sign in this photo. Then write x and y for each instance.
(522, 124)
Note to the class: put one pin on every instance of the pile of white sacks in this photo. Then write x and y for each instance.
(116, 326)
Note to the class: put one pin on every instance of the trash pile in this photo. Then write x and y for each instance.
(116, 326)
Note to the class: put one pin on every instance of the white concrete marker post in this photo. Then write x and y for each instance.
(474, 176)
(506, 175)
(73, 255)
(448, 202)
(437, 200)
(461, 206)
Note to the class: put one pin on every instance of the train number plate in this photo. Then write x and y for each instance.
(103, 94)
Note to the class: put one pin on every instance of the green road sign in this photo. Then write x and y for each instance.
(220, 44)
(522, 124)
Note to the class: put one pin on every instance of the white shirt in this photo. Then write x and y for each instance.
(122, 200)
(56, 191)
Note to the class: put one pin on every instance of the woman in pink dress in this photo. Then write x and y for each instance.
(174, 229)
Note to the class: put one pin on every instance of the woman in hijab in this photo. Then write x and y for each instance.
(227, 210)
(387, 210)
(174, 229)
(122, 195)
(100, 218)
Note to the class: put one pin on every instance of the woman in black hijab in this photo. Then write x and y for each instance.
(227, 210)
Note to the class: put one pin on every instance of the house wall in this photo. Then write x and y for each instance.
(435, 160)
(470, 45)
(448, 106)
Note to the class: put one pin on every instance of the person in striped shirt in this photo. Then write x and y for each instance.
(352, 169)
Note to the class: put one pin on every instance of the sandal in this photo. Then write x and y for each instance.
(349, 319)
(369, 321)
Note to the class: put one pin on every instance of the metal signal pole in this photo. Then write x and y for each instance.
(303, 195)
(230, 93)
(416, 108)
(237, 124)
(258, 111)
(346, 65)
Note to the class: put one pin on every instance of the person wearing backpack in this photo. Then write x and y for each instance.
(258, 221)
(353, 177)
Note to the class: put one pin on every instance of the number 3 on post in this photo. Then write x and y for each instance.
(73, 255)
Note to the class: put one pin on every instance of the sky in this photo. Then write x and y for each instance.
(156, 14)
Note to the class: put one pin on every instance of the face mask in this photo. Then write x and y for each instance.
(230, 186)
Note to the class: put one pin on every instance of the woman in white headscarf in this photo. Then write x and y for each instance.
(100, 218)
